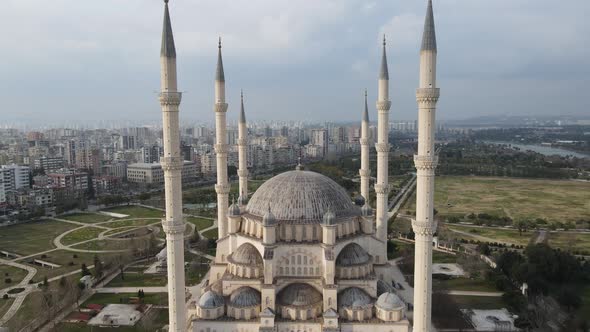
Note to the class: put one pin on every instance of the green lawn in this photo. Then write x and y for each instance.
(108, 298)
(211, 234)
(584, 310)
(570, 241)
(137, 211)
(159, 318)
(479, 302)
(138, 280)
(28, 311)
(105, 245)
(443, 258)
(14, 273)
(67, 261)
(465, 284)
(82, 234)
(5, 305)
(33, 237)
(554, 200)
(494, 233)
(200, 223)
(86, 217)
(131, 222)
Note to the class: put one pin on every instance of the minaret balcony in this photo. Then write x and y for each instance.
(425, 162)
(427, 94)
(170, 98)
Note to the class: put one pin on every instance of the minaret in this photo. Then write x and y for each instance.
(425, 160)
(173, 224)
(222, 187)
(365, 171)
(382, 146)
(243, 153)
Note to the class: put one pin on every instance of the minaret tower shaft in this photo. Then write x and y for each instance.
(222, 187)
(242, 153)
(173, 223)
(382, 146)
(425, 161)
(365, 171)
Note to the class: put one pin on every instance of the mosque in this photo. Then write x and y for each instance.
(298, 255)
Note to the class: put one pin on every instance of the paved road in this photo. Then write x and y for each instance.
(473, 293)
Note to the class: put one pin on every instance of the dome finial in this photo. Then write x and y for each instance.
(219, 44)
(384, 40)
(166, 1)
(299, 167)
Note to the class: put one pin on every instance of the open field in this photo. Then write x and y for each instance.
(13, 273)
(64, 258)
(496, 234)
(570, 241)
(211, 234)
(89, 218)
(132, 279)
(82, 234)
(553, 200)
(464, 284)
(27, 312)
(479, 302)
(32, 237)
(137, 211)
(5, 305)
(443, 258)
(199, 223)
(159, 319)
(131, 222)
(107, 298)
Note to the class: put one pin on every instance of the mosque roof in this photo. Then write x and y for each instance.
(389, 301)
(354, 297)
(210, 300)
(244, 297)
(247, 254)
(299, 295)
(352, 254)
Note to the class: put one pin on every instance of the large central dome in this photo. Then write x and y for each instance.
(300, 196)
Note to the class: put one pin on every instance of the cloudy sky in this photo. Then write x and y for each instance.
(73, 61)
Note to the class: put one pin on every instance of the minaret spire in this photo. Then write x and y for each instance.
(221, 149)
(242, 154)
(173, 224)
(429, 34)
(383, 71)
(365, 171)
(382, 146)
(425, 160)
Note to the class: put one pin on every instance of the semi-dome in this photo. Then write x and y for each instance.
(211, 300)
(301, 197)
(352, 254)
(389, 301)
(354, 297)
(383, 287)
(298, 295)
(246, 254)
(244, 297)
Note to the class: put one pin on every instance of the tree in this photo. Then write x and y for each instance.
(85, 271)
(45, 282)
(98, 267)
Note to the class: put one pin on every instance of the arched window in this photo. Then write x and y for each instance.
(314, 231)
(298, 259)
(304, 259)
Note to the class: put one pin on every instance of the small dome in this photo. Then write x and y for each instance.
(329, 218)
(211, 300)
(299, 295)
(246, 254)
(353, 254)
(390, 301)
(366, 210)
(359, 200)
(234, 210)
(383, 287)
(354, 297)
(244, 297)
(269, 219)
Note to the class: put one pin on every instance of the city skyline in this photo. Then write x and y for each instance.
(291, 64)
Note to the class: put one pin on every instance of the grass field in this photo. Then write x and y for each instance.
(82, 234)
(159, 319)
(211, 234)
(479, 302)
(137, 211)
(200, 223)
(553, 200)
(14, 273)
(464, 284)
(443, 258)
(138, 280)
(494, 234)
(33, 237)
(131, 222)
(89, 218)
(26, 313)
(107, 298)
(5, 305)
(66, 260)
(569, 241)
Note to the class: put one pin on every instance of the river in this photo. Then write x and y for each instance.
(545, 150)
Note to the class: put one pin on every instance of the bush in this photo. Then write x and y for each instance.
(7, 280)
(5, 296)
